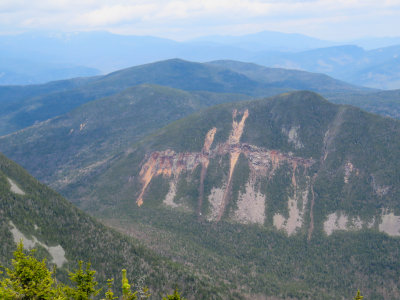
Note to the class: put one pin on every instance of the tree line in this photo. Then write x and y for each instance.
(29, 278)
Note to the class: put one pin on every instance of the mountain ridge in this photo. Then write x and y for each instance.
(50, 100)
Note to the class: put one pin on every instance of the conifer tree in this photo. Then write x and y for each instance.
(110, 293)
(174, 296)
(29, 278)
(85, 284)
(358, 296)
(126, 288)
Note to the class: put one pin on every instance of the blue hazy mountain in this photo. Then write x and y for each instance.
(373, 68)
(269, 41)
(42, 56)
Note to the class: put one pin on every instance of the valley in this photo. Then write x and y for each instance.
(227, 179)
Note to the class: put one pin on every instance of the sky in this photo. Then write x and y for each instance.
(182, 20)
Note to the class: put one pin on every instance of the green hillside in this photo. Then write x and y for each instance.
(66, 149)
(295, 79)
(296, 195)
(24, 106)
(386, 103)
(324, 136)
(64, 235)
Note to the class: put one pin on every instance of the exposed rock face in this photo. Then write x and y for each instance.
(340, 221)
(215, 199)
(14, 187)
(293, 136)
(233, 142)
(57, 252)
(169, 199)
(251, 204)
(296, 213)
(389, 223)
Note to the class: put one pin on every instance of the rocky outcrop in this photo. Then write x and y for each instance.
(251, 204)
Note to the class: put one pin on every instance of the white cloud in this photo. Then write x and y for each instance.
(187, 18)
(109, 15)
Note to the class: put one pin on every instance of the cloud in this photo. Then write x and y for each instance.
(110, 15)
(187, 18)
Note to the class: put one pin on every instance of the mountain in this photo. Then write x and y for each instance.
(285, 197)
(109, 52)
(22, 71)
(64, 234)
(291, 79)
(384, 75)
(312, 144)
(99, 49)
(67, 148)
(314, 185)
(386, 103)
(373, 68)
(269, 41)
(22, 106)
(55, 55)
(27, 105)
(370, 43)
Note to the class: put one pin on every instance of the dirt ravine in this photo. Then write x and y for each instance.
(234, 139)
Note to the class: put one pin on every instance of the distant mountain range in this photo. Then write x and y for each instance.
(377, 68)
(23, 106)
(39, 57)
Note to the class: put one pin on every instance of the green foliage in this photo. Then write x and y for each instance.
(187, 189)
(158, 189)
(29, 279)
(141, 292)
(240, 178)
(85, 285)
(126, 288)
(260, 261)
(109, 293)
(174, 296)
(358, 296)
